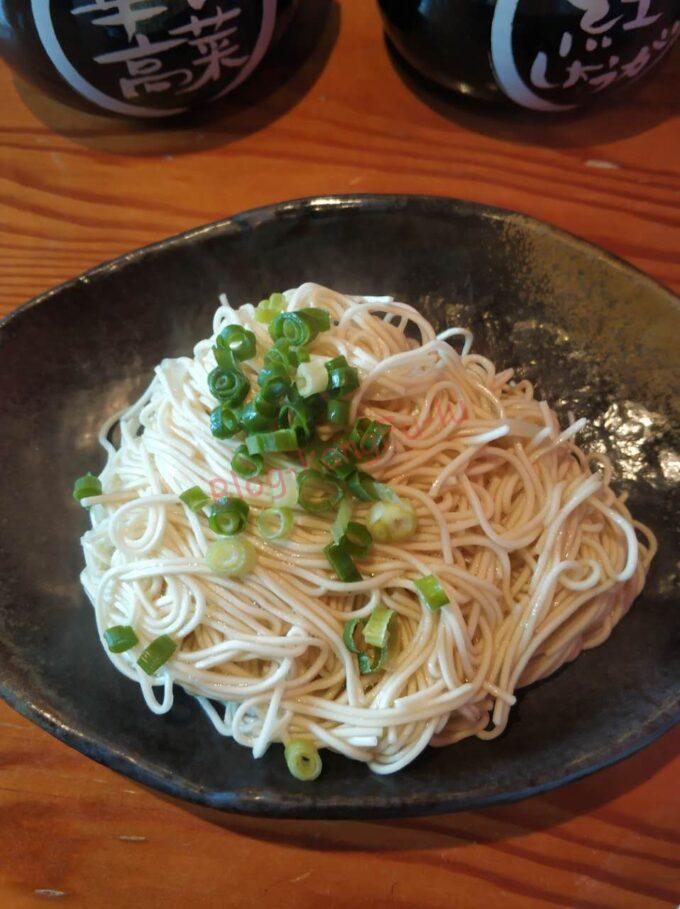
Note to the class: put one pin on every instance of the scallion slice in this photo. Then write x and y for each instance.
(342, 563)
(356, 539)
(390, 522)
(312, 378)
(86, 486)
(224, 422)
(303, 760)
(267, 309)
(195, 499)
(275, 523)
(258, 415)
(342, 380)
(228, 516)
(349, 634)
(317, 492)
(232, 558)
(293, 328)
(319, 318)
(120, 638)
(266, 442)
(274, 385)
(228, 385)
(225, 358)
(239, 340)
(246, 465)
(369, 438)
(298, 415)
(337, 413)
(341, 520)
(300, 327)
(337, 362)
(362, 486)
(156, 654)
(372, 660)
(338, 461)
(376, 631)
(431, 592)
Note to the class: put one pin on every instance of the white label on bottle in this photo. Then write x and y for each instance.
(124, 13)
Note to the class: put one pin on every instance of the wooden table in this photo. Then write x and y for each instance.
(76, 189)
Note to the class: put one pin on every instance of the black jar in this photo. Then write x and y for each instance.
(547, 55)
(140, 58)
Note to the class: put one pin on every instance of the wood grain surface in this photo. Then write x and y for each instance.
(76, 189)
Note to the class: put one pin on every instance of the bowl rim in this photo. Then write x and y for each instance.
(273, 803)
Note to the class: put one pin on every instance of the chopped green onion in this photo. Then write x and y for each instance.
(266, 442)
(349, 634)
(359, 428)
(431, 592)
(362, 486)
(274, 386)
(311, 378)
(341, 520)
(194, 498)
(373, 657)
(231, 558)
(345, 472)
(373, 660)
(239, 340)
(319, 318)
(296, 355)
(338, 461)
(224, 422)
(156, 654)
(356, 540)
(120, 638)
(317, 492)
(87, 486)
(298, 415)
(285, 356)
(228, 385)
(286, 495)
(225, 358)
(337, 362)
(246, 465)
(257, 415)
(342, 380)
(337, 413)
(342, 563)
(228, 516)
(377, 630)
(293, 328)
(369, 437)
(375, 439)
(275, 523)
(301, 327)
(267, 309)
(303, 760)
(273, 373)
(390, 522)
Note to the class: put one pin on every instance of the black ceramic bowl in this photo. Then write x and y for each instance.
(598, 337)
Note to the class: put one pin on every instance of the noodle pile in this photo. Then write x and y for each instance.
(538, 555)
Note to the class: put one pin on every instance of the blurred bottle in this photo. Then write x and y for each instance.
(547, 55)
(140, 58)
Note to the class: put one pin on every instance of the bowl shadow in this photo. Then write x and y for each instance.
(275, 88)
(496, 824)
